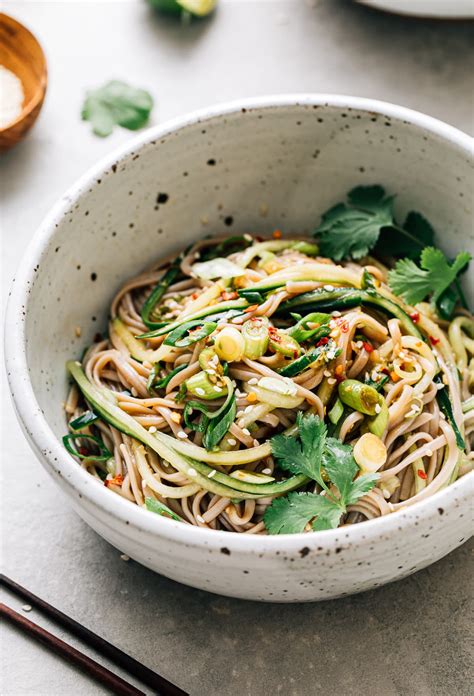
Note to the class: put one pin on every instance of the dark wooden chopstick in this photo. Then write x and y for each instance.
(100, 673)
(144, 674)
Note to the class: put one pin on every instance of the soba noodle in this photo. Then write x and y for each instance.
(422, 450)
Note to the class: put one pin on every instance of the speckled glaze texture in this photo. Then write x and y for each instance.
(276, 161)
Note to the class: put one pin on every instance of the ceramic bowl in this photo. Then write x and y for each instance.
(245, 166)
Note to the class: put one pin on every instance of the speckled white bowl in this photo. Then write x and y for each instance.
(247, 166)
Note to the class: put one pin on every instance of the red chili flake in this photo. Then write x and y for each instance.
(229, 296)
(415, 317)
(195, 295)
(276, 234)
(343, 325)
(115, 481)
(368, 347)
(434, 340)
(252, 308)
(422, 474)
(322, 341)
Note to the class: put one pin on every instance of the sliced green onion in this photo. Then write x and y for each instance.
(189, 333)
(104, 451)
(229, 344)
(284, 344)
(370, 453)
(378, 423)
(359, 396)
(210, 363)
(155, 382)
(161, 509)
(255, 333)
(337, 411)
(200, 385)
(300, 331)
(82, 421)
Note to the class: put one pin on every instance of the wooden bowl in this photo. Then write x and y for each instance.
(21, 53)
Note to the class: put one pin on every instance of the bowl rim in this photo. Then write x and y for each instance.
(42, 84)
(49, 447)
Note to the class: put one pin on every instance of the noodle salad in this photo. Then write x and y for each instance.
(284, 385)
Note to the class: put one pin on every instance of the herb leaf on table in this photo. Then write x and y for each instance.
(116, 103)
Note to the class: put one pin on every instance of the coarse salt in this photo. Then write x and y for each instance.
(13, 95)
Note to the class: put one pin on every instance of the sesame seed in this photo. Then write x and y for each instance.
(212, 473)
(124, 557)
(332, 381)
(248, 409)
(429, 453)
(326, 373)
(27, 607)
(134, 391)
(253, 380)
(182, 435)
(200, 519)
(248, 238)
(200, 391)
(239, 414)
(217, 389)
(231, 441)
(246, 431)
(378, 408)
(329, 288)
(192, 472)
(336, 313)
(266, 471)
(256, 443)
(152, 429)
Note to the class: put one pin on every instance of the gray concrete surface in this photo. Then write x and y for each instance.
(409, 638)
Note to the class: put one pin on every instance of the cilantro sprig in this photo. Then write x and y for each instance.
(116, 103)
(435, 277)
(324, 460)
(366, 221)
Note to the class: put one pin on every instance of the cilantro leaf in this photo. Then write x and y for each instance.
(361, 485)
(116, 103)
(306, 454)
(340, 465)
(304, 458)
(351, 230)
(432, 278)
(408, 240)
(291, 514)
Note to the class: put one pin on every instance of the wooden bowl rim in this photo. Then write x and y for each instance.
(42, 83)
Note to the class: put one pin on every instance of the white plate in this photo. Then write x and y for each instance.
(454, 9)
